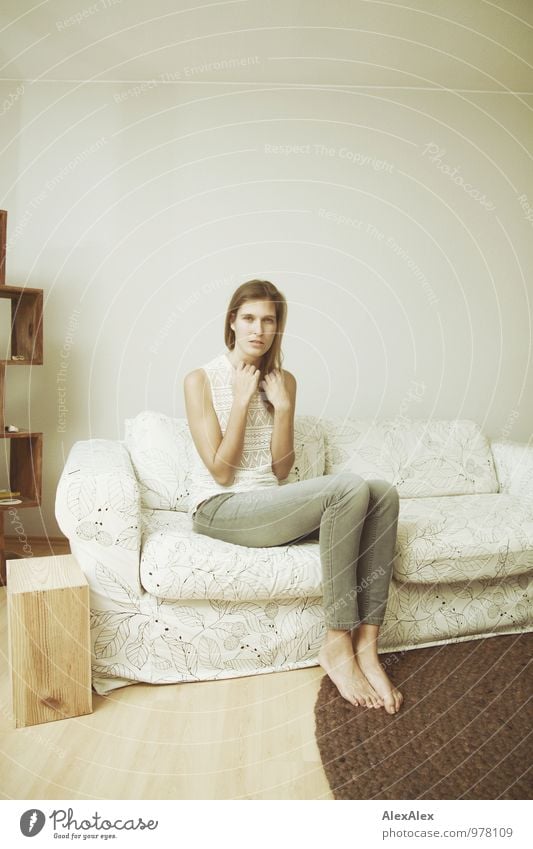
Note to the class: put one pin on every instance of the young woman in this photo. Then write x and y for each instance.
(240, 410)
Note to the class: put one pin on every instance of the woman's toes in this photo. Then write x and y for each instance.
(398, 699)
(364, 701)
(377, 700)
(390, 705)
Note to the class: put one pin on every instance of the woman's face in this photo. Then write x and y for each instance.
(255, 320)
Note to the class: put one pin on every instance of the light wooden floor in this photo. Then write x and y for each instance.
(243, 738)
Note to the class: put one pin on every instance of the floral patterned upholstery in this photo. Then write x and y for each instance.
(421, 458)
(176, 563)
(471, 537)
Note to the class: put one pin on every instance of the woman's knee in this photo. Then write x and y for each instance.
(385, 493)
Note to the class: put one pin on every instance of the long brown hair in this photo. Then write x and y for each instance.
(259, 290)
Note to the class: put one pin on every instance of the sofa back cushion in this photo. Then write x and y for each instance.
(421, 457)
(161, 451)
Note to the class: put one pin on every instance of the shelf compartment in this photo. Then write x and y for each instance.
(25, 451)
(26, 324)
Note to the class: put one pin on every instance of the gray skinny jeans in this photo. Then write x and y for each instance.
(356, 521)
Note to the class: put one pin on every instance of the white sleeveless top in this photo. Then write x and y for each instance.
(255, 468)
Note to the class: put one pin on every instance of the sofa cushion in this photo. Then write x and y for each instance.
(420, 457)
(309, 450)
(161, 451)
(177, 563)
(440, 541)
(468, 537)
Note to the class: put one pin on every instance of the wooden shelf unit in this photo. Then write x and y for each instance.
(26, 341)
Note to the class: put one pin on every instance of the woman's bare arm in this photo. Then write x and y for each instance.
(220, 454)
(282, 442)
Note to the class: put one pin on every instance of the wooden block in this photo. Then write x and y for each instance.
(49, 639)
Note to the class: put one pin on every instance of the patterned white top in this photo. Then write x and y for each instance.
(255, 468)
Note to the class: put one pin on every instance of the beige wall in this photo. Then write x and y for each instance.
(372, 160)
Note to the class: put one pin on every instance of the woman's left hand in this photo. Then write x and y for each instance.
(275, 389)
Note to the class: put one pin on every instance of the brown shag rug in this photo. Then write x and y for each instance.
(464, 730)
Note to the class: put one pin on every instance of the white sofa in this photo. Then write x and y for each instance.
(169, 605)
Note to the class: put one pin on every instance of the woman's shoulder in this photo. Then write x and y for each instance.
(199, 375)
(289, 376)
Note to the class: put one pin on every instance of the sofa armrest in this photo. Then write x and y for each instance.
(98, 507)
(514, 466)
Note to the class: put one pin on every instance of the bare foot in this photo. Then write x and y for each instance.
(337, 659)
(373, 670)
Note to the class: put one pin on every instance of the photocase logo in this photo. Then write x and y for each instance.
(31, 822)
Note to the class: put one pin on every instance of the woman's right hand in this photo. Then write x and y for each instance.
(245, 382)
